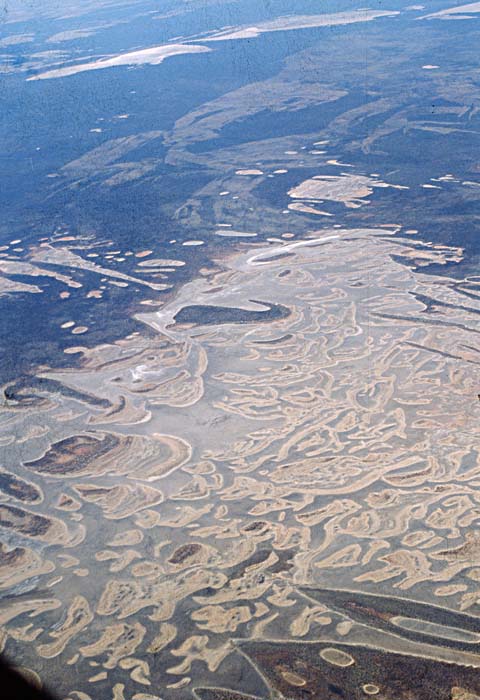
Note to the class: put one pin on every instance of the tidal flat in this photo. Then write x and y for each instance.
(239, 302)
(198, 487)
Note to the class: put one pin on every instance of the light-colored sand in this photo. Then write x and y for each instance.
(352, 190)
(253, 171)
(200, 456)
(282, 24)
(458, 12)
(152, 56)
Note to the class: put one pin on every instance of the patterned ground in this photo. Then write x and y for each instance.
(190, 482)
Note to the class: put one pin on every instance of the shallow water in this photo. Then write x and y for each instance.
(239, 327)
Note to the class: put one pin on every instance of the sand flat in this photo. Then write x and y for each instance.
(152, 56)
(457, 12)
(288, 23)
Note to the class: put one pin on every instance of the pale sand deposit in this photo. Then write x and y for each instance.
(206, 471)
(153, 57)
(282, 24)
(458, 12)
(351, 190)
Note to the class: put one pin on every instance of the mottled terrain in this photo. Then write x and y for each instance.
(334, 445)
(239, 427)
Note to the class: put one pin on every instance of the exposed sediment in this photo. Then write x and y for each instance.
(214, 471)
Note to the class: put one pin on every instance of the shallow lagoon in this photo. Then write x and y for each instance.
(240, 405)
